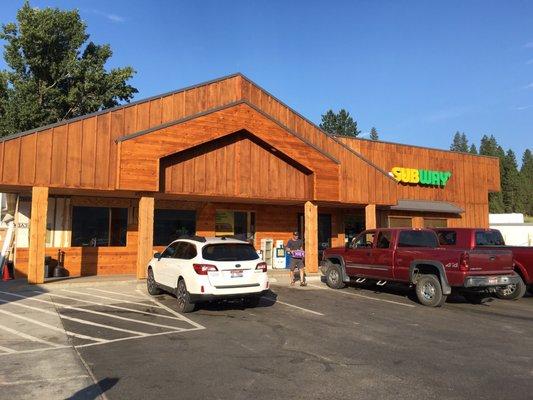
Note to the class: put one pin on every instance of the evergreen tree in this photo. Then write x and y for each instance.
(511, 185)
(460, 142)
(340, 123)
(473, 149)
(53, 73)
(489, 147)
(526, 178)
(374, 134)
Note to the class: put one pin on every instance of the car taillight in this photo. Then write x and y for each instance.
(463, 262)
(262, 266)
(203, 269)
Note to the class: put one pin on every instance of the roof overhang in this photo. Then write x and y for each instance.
(427, 206)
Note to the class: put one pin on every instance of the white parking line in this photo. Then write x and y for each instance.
(78, 320)
(110, 298)
(108, 305)
(7, 350)
(362, 295)
(116, 293)
(29, 337)
(292, 305)
(170, 310)
(54, 328)
(92, 311)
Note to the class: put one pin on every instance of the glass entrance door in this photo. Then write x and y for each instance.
(324, 230)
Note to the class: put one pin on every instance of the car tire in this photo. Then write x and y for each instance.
(429, 291)
(184, 300)
(512, 292)
(151, 284)
(334, 277)
(251, 301)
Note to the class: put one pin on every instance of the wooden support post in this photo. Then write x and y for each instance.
(311, 236)
(370, 217)
(39, 210)
(418, 222)
(145, 240)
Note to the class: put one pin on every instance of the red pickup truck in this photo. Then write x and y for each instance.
(491, 239)
(414, 257)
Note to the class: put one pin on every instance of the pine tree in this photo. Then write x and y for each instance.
(460, 142)
(526, 180)
(473, 149)
(374, 134)
(511, 185)
(340, 123)
(489, 147)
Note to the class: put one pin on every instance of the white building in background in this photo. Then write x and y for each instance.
(515, 232)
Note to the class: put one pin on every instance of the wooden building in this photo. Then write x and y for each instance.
(222, 157)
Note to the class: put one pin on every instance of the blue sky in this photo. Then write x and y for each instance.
(416, 70)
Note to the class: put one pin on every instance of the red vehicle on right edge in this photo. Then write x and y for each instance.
(414, 257)
(491, 239)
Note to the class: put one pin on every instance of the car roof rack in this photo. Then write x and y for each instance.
(196, 238)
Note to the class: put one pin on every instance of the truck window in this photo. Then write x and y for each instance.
(447, 238)
(489, 238)
(364, 240)
(417, 239)
(384, 238)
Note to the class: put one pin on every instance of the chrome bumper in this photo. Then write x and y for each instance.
(487, 281)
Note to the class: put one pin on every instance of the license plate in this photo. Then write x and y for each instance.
(493, 281)
(236, 274)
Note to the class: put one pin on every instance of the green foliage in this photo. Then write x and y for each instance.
(374, 134)
(460, 142)
(50, 77)
(473, 149)
(526, 182)
(512, 193)
(341, 124)
(490, 147)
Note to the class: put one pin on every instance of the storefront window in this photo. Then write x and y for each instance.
(169, 225)
(400, 222)
(240, 224)
(354, 224)
(99, 226)
(435, 223)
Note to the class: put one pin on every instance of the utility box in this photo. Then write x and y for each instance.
(279, 261)
(266, 251)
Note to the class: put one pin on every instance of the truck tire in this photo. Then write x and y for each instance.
(182, 295)
(334, 277)
(512, 292)
(429, 291)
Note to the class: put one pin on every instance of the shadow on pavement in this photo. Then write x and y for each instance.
(95, 390)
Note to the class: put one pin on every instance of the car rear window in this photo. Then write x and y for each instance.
(489, 238)
(417, 239)
(229, 252)
(447, 238)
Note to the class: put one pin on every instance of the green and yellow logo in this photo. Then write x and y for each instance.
(423, 177)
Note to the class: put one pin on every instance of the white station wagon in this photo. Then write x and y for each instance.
(200, 269)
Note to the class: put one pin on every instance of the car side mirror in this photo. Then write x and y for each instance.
(157, 255)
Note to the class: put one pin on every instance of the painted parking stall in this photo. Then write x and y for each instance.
(88, 317)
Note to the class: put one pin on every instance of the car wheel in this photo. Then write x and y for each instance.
(252, 301)
(334, 277)
(183, 297)
(151, 285)
(514, 291)
(429, 291)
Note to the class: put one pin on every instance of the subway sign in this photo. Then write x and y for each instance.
(422, 177)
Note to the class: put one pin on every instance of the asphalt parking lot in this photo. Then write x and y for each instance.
(313, 342)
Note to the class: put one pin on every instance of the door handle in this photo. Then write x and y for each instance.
(368, 253)
(492, 258)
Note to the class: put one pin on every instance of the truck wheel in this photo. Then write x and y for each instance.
(334, 277)
(184, 301)
(512, 292)
(429, 291)
(151, 285)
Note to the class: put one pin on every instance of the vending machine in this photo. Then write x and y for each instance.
(279, 260)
